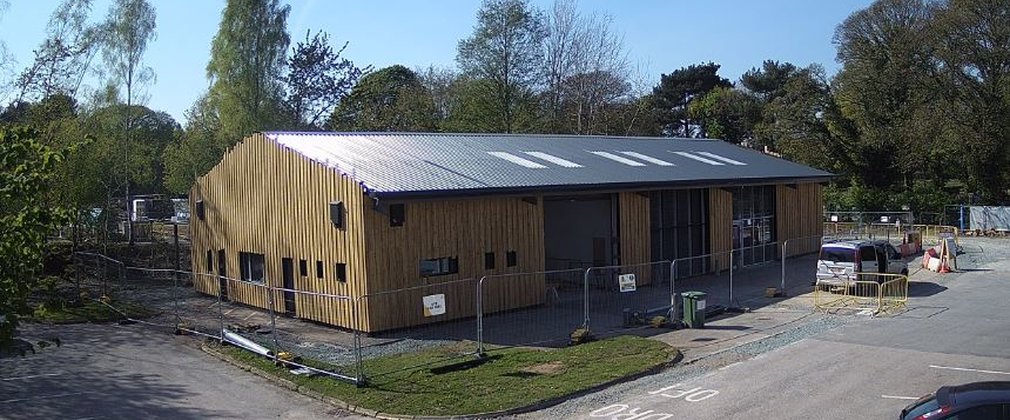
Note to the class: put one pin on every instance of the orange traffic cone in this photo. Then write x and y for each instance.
(944, 267)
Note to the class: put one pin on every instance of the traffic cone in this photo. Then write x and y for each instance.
(944, 267)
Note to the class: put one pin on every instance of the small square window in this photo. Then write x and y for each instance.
(397, 214)
(489, 260)
(337, 213)
(341, 272)
(200, 213)
(319, 269)
(303, 268)
(510, 259)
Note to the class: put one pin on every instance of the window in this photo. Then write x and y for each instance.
(337, 213)
(868, 253)
(303, 268)
(341, 272)
(210, 261)
(251, 266)
(396, 215)
(489, 260)
(319, 269)
(200, 214)
(510, 259)
(679, 229)
(439, 266)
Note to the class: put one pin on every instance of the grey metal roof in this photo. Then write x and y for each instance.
(419, 164)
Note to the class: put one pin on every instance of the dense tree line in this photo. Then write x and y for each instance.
(917, 117)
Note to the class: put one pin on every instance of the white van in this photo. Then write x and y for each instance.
(839, 261)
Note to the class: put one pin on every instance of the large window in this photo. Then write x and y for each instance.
(754, 224)
(251, 266)
(439, 266)
(679, 220)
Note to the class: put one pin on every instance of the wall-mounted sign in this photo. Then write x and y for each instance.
(434, 305)
(626, 282)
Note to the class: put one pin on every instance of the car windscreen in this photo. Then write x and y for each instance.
(838, 255)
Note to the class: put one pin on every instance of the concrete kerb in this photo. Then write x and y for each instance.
(677, 358)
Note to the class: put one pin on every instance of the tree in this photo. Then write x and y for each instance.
(64, 58)
(318, 79)
(246, 67)
(882, 85)
(129, 27)
(676, 90)
(506, 52)
(26, 217)
(586, 70)
(805, 124)
(972, 39)
(727, 114)
(391, 99)
(768, 81)
(195, 150)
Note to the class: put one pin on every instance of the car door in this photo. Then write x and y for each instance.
(868, 259)
(895, 264)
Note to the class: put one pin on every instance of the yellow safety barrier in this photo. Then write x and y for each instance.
(876, 293)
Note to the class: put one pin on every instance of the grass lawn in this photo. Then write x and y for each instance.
(511, 378)
(90, 311)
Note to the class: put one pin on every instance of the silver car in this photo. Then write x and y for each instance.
(840, 261)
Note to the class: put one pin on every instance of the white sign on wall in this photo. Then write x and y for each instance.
(626, 282)
(434, 305)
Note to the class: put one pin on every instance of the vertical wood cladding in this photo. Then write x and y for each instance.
(465, 229)
(798, 217)
(264, 199)
(635, 245)
(720, 226)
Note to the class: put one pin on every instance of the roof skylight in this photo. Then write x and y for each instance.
(648, 158)
(554, 159)
(722, 158)
(699, 159)
(517, 160)
(617, 158)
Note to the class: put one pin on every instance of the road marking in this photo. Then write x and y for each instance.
(695, 394)
(251, 314)
(994, 372)
(898, 397)
(42, 397)
(16, 378)
(730, 365)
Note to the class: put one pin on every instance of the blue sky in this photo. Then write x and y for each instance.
(660, 35)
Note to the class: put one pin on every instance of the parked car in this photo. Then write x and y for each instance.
(840, 261)
(974, 401)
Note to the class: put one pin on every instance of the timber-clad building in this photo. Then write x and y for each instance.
(360, 214)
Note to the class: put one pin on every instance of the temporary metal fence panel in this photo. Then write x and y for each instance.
(798, 247)
(893, 294)
(530, 309)
(627, 296)
(876, 293)
(436, 321)
(333, 351)
(833, 296)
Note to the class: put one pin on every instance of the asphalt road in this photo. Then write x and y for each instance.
(129, 372)
(955, 332)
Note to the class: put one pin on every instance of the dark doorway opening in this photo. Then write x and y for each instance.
(579, 231)
(288, 266)
(222, 274)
